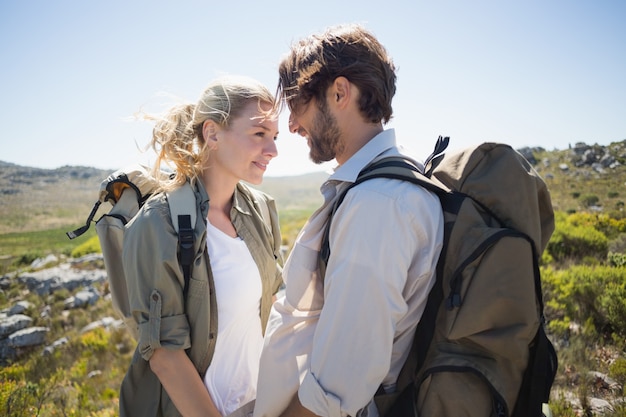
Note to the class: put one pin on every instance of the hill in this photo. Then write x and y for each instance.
(581, 178)
(66, 354)
(33, 199)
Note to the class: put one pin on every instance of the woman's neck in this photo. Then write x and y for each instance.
(220, 192)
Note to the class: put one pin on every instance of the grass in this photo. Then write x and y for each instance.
(21, 248)
(82, 378)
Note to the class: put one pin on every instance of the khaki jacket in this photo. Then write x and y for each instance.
(155, 287)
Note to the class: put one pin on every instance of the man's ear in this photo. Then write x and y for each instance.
(341, 91)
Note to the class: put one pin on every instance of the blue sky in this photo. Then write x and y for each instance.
(544, 73)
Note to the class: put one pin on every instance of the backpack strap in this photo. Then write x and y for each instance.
(393, 167)
(403, 169)
(182, 202)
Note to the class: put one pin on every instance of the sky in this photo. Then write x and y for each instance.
(546, 73)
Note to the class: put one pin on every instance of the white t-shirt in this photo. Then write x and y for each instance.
(232, 376)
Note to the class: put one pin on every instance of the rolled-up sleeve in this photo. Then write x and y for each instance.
(155, 282)
(376, 236)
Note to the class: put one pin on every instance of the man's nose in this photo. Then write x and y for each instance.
(294, 127)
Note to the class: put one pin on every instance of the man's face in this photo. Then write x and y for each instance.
(315, 122)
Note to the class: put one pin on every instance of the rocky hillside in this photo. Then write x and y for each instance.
(52, 311)
(33, 199)
(40, 199)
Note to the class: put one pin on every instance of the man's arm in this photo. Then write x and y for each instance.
(296, 409)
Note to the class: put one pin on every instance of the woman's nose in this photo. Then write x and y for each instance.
(270, 149)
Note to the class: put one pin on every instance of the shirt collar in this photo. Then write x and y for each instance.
(240, 200)
(378, 145)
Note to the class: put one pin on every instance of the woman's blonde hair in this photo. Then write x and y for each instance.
(177, 136)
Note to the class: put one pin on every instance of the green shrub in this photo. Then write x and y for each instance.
(618, 244)
(612, 227)
(27, 258)
(617, 260)
(92, 245)
(589, 200)
(593, 296)
(617, 371)
(577, 242)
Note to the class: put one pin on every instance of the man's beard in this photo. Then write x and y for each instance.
(324, 138)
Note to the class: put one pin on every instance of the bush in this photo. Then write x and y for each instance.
(589, 200)
(90, 246)
(617, 371)
(618, 245)
(577, 242)
(595, 296)
(27, 258)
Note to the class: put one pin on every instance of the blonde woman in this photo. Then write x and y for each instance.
(181, 366)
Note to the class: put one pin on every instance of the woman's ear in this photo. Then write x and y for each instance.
(209, 132)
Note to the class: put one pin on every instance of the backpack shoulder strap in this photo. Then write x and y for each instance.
(393, 167)
(182, 202)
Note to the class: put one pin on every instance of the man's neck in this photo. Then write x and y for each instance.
(357, 139)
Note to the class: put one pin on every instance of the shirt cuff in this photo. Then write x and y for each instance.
(313, 397)
(168, 332)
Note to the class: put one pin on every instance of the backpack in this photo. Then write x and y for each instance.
(127, 190)
(480, 348)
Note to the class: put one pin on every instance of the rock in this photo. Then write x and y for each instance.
(5, 282)
(94, 374)
(48, 350)
(43, 263)
(106, 322)
(6, 351)
(604, 381)
(47, 281)
(82, 298)
(14, 323)
(600, 406)
(45, 312)
(94, 260)
(20, 307)
(31, 336)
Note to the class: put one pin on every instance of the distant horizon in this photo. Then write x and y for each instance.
(319, 171)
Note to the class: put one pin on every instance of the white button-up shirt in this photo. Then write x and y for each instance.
(335, 342)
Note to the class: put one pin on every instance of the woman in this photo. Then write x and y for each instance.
(179, 366)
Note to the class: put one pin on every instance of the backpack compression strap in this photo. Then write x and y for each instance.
(182, 202)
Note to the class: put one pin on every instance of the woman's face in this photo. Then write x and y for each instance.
(243, 150)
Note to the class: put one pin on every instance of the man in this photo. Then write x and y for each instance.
(334, 341)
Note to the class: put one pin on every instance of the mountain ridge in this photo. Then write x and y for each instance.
(34, 199)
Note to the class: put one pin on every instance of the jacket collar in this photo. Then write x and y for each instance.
(241, 199)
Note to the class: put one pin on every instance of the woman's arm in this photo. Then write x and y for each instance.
(182, 383)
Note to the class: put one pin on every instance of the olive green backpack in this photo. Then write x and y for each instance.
(480, 348)
(127, 190)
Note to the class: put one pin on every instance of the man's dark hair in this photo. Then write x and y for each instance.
(350, 51)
